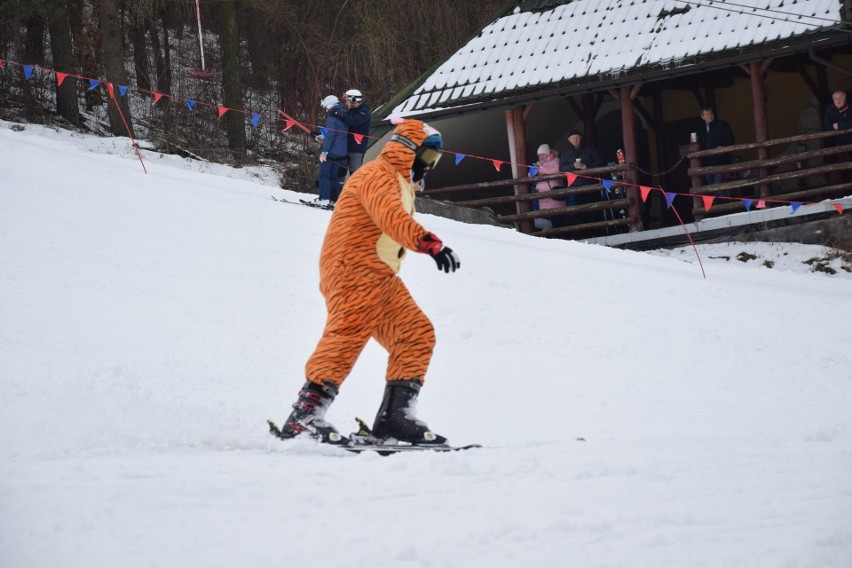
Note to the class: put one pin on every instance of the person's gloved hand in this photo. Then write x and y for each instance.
(445, 258)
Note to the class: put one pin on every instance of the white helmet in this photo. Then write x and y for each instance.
(329, 102)
(354, 95)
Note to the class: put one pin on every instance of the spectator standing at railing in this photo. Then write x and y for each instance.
(714, 133)
(838, 116)
(548, 163)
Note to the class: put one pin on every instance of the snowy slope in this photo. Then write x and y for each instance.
(633, 413)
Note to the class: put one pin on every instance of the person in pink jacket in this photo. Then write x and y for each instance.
(548, 163)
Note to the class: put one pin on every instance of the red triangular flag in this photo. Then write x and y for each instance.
(358, 137)
(644, 190)
(59, 77)
(1, 64)
(760, 205)
(288, 124)
(157, 97)
(109, 89)
(839, 208)
(223, 110)
(497, 164)
(571, 178)
(708, 201)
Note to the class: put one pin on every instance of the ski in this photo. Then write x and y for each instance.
(363, 441)
(304, 202)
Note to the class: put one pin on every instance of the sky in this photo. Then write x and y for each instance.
(631, 412)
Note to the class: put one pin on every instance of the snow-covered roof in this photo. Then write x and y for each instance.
(546, 43)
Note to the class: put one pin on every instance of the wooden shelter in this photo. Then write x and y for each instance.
(632, 75)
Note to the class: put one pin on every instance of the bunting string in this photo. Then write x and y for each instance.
(308, 128)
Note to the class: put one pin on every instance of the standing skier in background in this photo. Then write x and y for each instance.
(333, 151)
(358, 118)
(366, 240)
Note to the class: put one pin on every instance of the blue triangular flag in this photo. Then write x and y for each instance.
(533, 170)
(747, 204)
(607, 183)
(795, 205)
(190, 103)
(28, 71)
(255, 118)
(670, 199)
(122, 90)
(459, 158)
(93, 84)
(323, 132)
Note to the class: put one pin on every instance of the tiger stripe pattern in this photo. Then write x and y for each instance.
(367, 236)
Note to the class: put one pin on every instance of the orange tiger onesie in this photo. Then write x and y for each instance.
(370, 229)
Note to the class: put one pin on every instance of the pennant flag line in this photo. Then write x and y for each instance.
(606, 183)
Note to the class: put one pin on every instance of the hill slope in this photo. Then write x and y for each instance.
(633, 413)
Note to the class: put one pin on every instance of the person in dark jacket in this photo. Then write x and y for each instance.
(713, 134)
(838, 116)
(578, 157)
(358, 117)
(333, 150)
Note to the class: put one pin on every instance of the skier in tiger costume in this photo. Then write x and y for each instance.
(367, 237)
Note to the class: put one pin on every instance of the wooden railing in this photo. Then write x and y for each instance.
(514, 208)
(810, 172)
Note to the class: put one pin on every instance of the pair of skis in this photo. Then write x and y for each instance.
(364, 441)
(328, 207)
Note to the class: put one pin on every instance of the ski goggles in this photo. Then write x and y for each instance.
(429, 156)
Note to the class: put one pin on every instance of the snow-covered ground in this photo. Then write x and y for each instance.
(632, 412)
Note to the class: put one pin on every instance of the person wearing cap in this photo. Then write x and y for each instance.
(366, 240)
(333, 150)
(548, 163)
(579, 156)
(358, 117)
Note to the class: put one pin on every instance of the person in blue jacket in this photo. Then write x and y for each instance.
(358, 117)
(334, 148)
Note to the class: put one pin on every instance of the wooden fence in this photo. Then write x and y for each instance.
(810, 172)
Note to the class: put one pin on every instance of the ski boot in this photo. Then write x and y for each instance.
(309, 415)
(396, 419)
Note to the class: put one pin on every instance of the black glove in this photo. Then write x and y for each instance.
(445, 258)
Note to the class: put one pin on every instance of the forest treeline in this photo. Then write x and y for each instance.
(261, 55)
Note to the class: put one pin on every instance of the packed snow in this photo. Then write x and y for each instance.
(632, 413)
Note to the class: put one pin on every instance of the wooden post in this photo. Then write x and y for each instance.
(626, 94)
(516, 126)
(756, 70)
